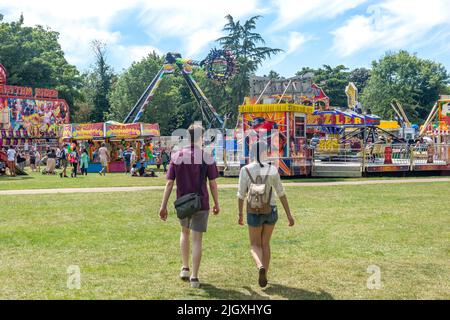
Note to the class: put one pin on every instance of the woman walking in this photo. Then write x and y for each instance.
(257, 180)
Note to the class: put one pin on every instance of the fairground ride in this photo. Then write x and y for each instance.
(219, 65)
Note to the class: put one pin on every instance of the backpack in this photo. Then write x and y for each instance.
(258, 202)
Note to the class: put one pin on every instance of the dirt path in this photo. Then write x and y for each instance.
(222, 186)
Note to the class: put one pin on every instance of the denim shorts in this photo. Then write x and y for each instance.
(257, 220)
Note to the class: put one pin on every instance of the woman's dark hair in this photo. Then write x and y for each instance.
(257, 148)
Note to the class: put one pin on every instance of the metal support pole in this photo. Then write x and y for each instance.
(265, 88)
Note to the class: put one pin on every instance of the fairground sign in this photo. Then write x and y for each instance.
(27, 92)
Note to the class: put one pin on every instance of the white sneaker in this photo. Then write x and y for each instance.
(195, 283)
(185, 274)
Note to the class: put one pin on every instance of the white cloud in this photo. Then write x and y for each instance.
(126, 55)
(196, 22)
(78, 22)
(295, 40)
(392, 24)
(290, 11)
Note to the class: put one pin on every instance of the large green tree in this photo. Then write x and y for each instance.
(413, 81)
(249, 48)
(360, 77)
(100, 79)
(33, 57)
(332, 80)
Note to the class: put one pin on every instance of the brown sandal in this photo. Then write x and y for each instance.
(262, 280)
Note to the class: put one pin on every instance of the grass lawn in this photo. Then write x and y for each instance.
(38, 181)
(125, 252)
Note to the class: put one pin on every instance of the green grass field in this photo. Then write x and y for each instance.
(125, 252)
(38, 181)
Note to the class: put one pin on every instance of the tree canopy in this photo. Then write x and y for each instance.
(33, 57)
(413, 81)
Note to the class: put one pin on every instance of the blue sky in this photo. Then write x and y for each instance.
(311, 33)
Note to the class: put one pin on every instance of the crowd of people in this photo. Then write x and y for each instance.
(76, 158)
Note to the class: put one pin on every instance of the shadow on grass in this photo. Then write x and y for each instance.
(296, 294)
(16, 178)
(274, 289)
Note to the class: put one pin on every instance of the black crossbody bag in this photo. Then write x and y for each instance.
(190, 203)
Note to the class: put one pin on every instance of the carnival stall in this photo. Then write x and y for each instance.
(117, 137)
(30, 117)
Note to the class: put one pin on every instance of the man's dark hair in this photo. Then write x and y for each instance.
(193, 129)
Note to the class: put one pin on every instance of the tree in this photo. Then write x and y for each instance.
(101, 78)
(415, 82)
(273, 75)
(245, 45)
(33, 57)
(446, 90)
(332, 80)
(359, 77)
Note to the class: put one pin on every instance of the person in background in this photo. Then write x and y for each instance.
(33, 159)
(51, 161)
(103, 154)
(261, 225)
(63, 162)
(95, 155)
(127, 160)
(133, 156)
(134, 171)
(158, 161)
(84, 163)
(74, 158)
(165, 158)
(21, 160)
(11, 153)
(38, 159)
(143, 172)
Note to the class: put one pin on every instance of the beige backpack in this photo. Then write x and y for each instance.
(258, 201)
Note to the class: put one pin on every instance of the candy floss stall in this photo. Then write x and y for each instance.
(117, 137)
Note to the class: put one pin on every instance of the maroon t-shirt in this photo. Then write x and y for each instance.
(185, 167)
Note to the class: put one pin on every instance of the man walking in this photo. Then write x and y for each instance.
(188, 167)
